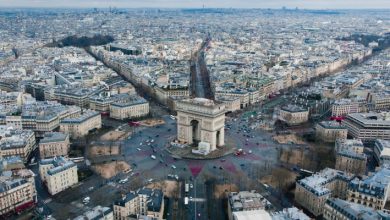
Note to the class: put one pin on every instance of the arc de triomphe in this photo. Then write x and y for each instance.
(201, 120)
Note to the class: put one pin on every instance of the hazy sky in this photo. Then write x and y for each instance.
(315, 4)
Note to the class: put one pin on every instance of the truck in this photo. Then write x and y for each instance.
(186, 187)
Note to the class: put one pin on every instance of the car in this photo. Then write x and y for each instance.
(214, 167)
(221, 168)
(242, 165)
(86, 200)
(169, 129)
(157, 135)
(223, 160)
(173, 166)
(139, 149)
(191, 186)
(134, 164)
(150, 180)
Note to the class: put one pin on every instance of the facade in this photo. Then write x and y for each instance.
(368, 126)
(380, 100)
(313, 191)
(163, 94)
(58, 174)
(343, 210)
(54, 144)
(243, 95)
(247, 203)
(372, 191)
(135, 107)
(201, 120)
(293, 114)
(81, 125)
(343, 107)
(330, 131)
(382, 152)
(17, 143)
(144, 202)
(350, 157)
(232, 104)
(97, 213)
(17, 191)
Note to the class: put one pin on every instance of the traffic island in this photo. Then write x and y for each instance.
(186, 152)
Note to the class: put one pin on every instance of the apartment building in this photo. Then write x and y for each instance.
(144, 202)
(350, 157)
(241, 94)
(382, 151)
(232, 104)
(368, 126)
(344, 107)
(163, 94)
(330, 131)
(17, 143)
(54, 144)
(372, 191)
(58, 174)
(313, 191)
(134, 107)
(81, 125)
(343, 210)
(17, 191)
(379, 100)
(293, 114)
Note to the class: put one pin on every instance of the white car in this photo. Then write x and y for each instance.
(86, 200)
(139, 149)
(173, 167)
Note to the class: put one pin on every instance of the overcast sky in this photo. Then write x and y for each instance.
(314, 4)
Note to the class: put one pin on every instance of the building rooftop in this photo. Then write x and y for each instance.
(356, 211)
(371, 118)
(316, 183)
(290, 214)
(252, 215)
(50, 137)
(59, 164)
(96, 213)
(82, 118)
(331, 125)
(293, 108)
(154, 198)
(245, 200)
(374, 185)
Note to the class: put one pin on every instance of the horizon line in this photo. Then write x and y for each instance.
(244, 8)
